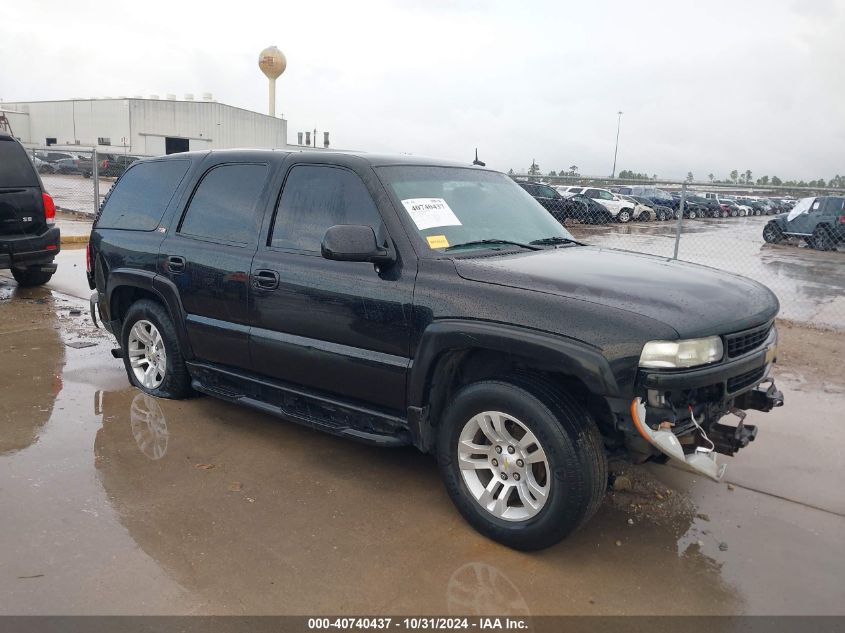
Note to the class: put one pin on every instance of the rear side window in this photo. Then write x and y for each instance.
(141, 196)
(223, 208)
(16, 170)
(317, 197)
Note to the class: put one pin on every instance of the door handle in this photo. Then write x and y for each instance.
(265, 279)
(176, 264)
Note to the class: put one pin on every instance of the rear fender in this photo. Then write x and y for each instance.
(160, 287)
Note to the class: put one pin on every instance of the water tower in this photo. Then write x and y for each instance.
(272, 63)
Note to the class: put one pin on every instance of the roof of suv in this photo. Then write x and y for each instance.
(374, 160)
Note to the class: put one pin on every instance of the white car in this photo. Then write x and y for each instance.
(642, 212)
(569, 191)
(622, 210)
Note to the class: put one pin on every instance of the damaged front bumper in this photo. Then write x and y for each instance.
(678, 413)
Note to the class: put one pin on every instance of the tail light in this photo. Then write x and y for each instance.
(49, 208)
(105, 163)
(88, 265)
(842, 219)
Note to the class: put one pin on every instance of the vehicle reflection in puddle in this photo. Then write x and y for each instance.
(300, 521)
(146, 421)
(29, 335)
(477, 588)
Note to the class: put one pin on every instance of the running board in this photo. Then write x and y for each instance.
(304, 407)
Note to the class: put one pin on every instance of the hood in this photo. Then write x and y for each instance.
(693, 300)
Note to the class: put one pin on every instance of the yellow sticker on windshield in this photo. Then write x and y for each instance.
(437, 241)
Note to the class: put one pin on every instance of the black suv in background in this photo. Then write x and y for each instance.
(402, 301)
(550, 198)
(29, 241)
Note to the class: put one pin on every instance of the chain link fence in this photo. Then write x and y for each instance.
(767, 233)
(790, 239)
(78, 179)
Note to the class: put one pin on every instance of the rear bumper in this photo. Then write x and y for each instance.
(96, 313)
(30, 251)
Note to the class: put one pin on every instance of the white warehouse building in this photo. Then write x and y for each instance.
(142, 126)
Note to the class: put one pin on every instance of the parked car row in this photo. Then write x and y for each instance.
(593, 205)
(47, 162)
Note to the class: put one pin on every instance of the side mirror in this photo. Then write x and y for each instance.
(353, 243)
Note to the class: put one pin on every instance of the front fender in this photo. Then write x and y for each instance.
(547, 352)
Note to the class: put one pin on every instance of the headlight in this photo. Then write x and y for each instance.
(679, 354)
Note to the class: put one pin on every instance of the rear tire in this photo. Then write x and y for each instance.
(30, 277)
(573, 475)
(151, 317)
(822, 239)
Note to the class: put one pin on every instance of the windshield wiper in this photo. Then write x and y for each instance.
(530, 247)
(557, 240)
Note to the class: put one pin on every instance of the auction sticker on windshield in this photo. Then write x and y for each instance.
(437, 241)
(428, 213)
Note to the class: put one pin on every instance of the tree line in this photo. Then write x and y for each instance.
(736, 177)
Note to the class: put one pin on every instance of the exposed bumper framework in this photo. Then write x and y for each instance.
(678, 413)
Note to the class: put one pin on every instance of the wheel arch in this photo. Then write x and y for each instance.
(126, 286)
(455, 353)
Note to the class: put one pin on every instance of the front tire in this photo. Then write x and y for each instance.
(772, 233)
(523, 462)
(624, 216)
(30, 277)
(151, 352)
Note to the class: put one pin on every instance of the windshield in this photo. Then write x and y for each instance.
(450, 206)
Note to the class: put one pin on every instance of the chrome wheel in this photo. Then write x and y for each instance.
(503, 466)
(147, 356)
(149, 427)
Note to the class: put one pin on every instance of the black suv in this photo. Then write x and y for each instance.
(29, 241)
(550, 198)
(401, 301)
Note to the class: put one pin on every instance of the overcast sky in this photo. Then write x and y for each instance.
(705, 86)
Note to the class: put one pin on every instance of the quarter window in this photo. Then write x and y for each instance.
(317, 197)
(223, 208)
(140, 197)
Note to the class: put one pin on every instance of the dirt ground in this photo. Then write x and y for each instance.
(817, 354)
(115, 502)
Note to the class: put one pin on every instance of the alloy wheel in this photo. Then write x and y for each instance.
(504, 466)
(147, 355)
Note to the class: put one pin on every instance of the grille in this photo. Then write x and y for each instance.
(744, 342)
(744, 380)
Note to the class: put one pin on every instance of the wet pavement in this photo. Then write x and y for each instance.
(810, 284)
(115, 502)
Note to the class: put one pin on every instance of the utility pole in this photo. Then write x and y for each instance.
(616, 151)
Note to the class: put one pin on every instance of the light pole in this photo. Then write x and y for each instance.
(616, 151)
